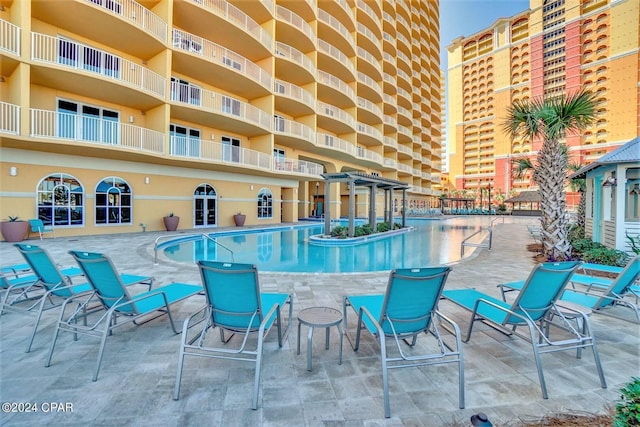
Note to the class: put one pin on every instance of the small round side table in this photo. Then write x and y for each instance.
(319, 317)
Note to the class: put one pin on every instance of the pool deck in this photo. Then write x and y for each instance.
(135, 386)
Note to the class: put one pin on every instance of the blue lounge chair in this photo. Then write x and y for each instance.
(45, 289)
(600, 298)
(37, 226)
(408, 308)
(600, 293)
(236, 305)
(117, 305)
(54, 282)
(16, 269)
(534, 308)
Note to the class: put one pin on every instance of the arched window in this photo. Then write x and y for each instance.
(60, 200)
(113, 201)
(265, 203)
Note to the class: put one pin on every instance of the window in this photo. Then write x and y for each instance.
(230, 149)
(113, 201)
(230, 106)
(88, 58)
(279, 158)
(265, 203)
(87, 123)
(279, 123)
(184, 141)
(183, 91)
(60, 200)
(632, 190)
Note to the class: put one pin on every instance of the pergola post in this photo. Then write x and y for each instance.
(352, 208)
(404, 210)
(389, 217)
(372, 206)
(327, 212)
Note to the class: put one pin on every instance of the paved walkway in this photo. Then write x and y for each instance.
(138, 371)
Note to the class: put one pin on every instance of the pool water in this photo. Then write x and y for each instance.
(432, 242)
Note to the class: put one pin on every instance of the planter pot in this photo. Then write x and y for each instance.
(14, 231)
(171, 222)
(239, 219)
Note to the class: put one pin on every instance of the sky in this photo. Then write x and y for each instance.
(466, 17)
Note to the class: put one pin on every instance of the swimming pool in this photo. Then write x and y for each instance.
(432, 242)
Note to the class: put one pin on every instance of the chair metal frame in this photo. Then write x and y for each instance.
(392, 322)
(110, 300)
(37, 226)
(534, 307)
(251, 320)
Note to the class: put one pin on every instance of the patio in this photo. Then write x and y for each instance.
(138, 371)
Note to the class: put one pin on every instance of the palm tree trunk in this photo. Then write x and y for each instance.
(582, 209)
(550, 176)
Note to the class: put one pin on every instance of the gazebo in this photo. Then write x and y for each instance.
(374, 182)
(530, 200)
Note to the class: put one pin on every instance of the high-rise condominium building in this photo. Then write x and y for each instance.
(115, 113)
(556, 47)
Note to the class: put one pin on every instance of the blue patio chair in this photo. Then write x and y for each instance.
(534, 308)
(405, 310)
(600, 293)
(16, 269)
(46, 288)
(118, 306)
(236, 305)
(37, 226)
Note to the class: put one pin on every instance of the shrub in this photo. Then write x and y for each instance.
(606, 256)
(340, 232)
(628, 408)
(584, 245)
(382, 227)
(576, 233)
(634, 242)
(362, 230)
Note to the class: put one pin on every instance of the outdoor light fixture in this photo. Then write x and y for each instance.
(13, 171)
(610, 181)
(146, 179)
(635, 189)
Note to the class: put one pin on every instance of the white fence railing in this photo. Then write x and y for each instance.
(58, 125)
(219, 54)
(9, 118)
(137, 15)
(219, 103)
(82, 57)
(293, 91)
(9, 37)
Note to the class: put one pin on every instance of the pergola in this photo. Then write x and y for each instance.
(530, 199)
(374, 183)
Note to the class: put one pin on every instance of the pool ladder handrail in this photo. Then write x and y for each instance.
(206, 236)
(477, 245)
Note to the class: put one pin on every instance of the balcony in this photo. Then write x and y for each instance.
(368, 87)
(369, 63)
(364, 154)
(368, 135)
(125, 23)
(335, 119)
(97, 68)
(339, 35)
(390, 142)
(368, 111)
(292, 133)
(334, 143)
(334, 53)
(290, 26)
(289, 98)
(197, 104)
(10, 41)
(335, 91)
(206, 61)
(367, 38)
(9, 118)
(230, 23)
(100, 132)
(291, 67)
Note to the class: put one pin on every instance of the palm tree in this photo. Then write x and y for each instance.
(552, 119)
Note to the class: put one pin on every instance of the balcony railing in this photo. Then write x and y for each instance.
(137, 15)
(363, 153)
(92, 130)
(346, 7)
(370, 130)
(336, 53)
(363, 53)
(219, 103)
(362, 77)
(295, 55)
(286, 126)
(295, 20)
(236, 16)
(365, 31)
(82, 57)
(336, 83)
(391, 142)
(336, 25)
(293, 91)
(361, 5)
(9, 118)
(195, 148)
(221, 55)
(9, 37)
(329, 141)
(368, 105)
(337, 113)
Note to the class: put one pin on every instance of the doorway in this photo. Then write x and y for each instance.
(205, 202)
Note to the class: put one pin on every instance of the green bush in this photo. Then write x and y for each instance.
(576, 233)
(382, 227)
(628, 408)
(340, 232)
(584, 245)
(362, 230)
(606, 256)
